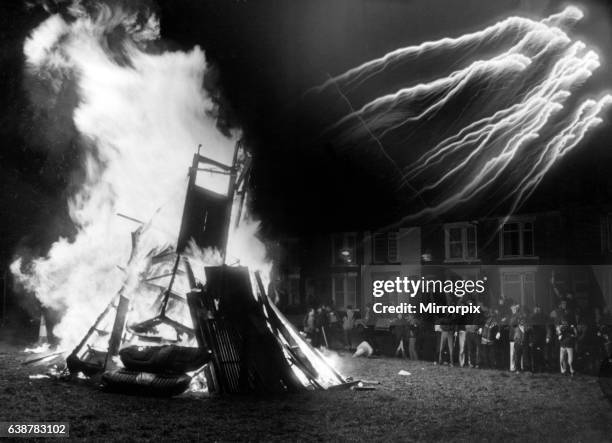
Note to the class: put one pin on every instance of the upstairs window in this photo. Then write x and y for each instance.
(344, 249)
(460, 241)
(517, 239)
(385, 247)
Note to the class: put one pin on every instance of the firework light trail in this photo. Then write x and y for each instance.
(521, 104)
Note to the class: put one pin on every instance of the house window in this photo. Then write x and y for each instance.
(344, 248)
(344, 290)
(519, 286)
(385, 247)
(516, 239)
(460, 242)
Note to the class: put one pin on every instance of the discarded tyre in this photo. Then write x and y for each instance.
(163, 359)
(145, 383)
(94, 364)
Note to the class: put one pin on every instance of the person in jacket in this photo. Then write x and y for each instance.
(461, 333)
(348, 323)
(562, 312)
(586, 344)
(567, 341)
(399, 329)
(472, 338)
(604, 343)
(472, 342)
(512, 323)
(437, 328)
(321, 322)
(489, 335)
(447, 338)
(521, 345)
(412, 332)
(538, 324)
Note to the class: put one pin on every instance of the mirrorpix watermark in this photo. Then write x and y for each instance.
(411, 287)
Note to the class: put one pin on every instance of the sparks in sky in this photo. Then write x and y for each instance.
(498, 123)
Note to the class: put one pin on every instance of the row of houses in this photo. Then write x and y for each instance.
(518, 256)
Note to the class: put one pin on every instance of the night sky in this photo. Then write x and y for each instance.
(263, 55)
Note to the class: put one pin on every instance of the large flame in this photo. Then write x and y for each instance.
(141, 115)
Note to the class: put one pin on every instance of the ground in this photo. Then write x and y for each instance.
(432, 403)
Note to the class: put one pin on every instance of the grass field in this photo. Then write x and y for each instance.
(432, 404)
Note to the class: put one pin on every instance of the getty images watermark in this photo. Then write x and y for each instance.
(412, 287)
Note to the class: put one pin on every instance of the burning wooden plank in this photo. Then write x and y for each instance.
(249, 345)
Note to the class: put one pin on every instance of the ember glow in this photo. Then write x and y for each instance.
(141, 116)
(522, 106)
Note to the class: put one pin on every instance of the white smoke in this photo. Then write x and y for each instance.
(141, 116)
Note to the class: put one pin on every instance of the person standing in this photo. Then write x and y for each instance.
(567, 340)
(521, 340)
(447, 338)
(320, 325)
(437, 338)
(472, 341)
(348, 323)
(586, 346)
(461, 338)
(512, 324)
(412, 331)
(489, 336)
(399, 326)
(538, 326)
(604, 335)
(334, 327)
(370, 316)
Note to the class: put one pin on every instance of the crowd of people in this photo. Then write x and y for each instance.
(324, 325)
(505, 336)
(511, 337)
